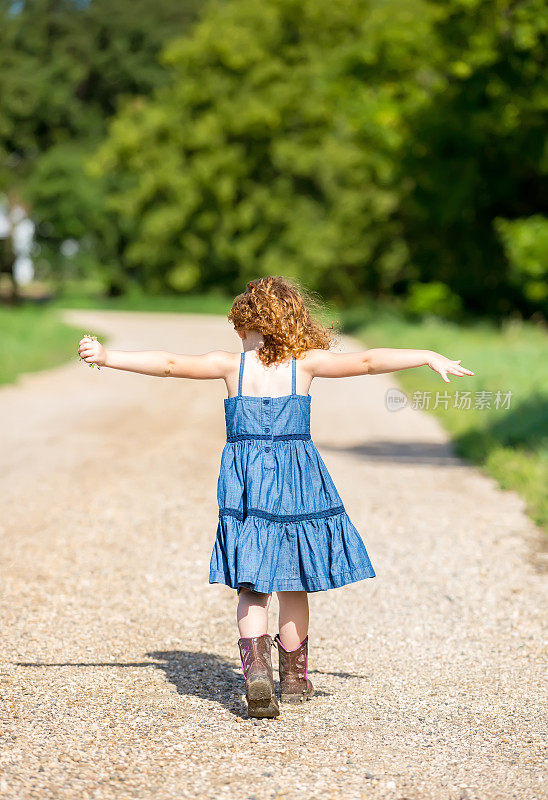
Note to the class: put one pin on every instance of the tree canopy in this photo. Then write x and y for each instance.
(65, 65)
(372, 147)
(362, 145)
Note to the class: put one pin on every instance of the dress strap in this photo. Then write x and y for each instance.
(293, 376)
(241, 374)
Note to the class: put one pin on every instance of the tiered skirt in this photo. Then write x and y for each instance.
(282, 524)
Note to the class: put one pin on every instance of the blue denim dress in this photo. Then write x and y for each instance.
(282, 525)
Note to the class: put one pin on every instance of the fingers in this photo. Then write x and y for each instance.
(444, 365)
(461, 371)
(86, 340)
(89, 350)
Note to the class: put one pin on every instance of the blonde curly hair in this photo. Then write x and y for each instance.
(281, 311)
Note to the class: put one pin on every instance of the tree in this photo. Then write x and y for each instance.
(274, 147)
(478, 150)
(64, 66)
(364, 146)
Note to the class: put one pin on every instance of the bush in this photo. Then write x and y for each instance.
(525, 243)
(432, 298)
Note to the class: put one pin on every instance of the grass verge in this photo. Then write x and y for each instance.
(31, 339)
(511, 444)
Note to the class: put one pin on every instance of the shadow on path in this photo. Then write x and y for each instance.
(417, 452)
(203, 675)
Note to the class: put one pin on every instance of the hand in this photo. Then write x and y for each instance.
(92, 351)
(443, 365)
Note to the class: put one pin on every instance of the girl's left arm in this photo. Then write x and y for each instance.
(157, 362)
(323, 364)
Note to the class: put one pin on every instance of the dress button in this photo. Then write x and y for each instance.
(266, 402)
(267, 449)
(267, 430)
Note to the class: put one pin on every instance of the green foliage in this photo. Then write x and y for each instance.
(357, 145)
(64, 66)
(274, 148)
(432, 298)
(478, 150)
(525, 244)
(70, 206)
(365, 146)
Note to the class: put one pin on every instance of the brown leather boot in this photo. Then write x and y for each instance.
(294, 681)
(259, 681)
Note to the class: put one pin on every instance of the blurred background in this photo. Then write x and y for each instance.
(390, 154)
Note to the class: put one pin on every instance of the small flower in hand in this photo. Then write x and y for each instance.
(444, 365)
(91, 351)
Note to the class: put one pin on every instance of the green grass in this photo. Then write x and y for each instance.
(33, 338)
(510, 444)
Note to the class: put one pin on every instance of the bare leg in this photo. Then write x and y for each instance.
(293, 620)
(252, 613)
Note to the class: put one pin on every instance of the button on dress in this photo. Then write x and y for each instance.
(282, 524)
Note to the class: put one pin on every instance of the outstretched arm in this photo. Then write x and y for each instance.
(157, 362)
(323, 364)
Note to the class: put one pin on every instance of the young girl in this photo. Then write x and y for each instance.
(282, 524)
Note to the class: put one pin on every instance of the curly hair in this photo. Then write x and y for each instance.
(281, 311)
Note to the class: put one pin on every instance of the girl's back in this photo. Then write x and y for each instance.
(272, 381)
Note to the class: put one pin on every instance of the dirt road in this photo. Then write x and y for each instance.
(120, 674)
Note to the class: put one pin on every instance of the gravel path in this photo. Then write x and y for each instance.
(121, 676)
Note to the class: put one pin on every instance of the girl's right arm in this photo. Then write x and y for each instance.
(159, 363)
(323, 364)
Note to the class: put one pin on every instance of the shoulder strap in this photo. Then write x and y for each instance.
(293, 375)
(241, 374)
